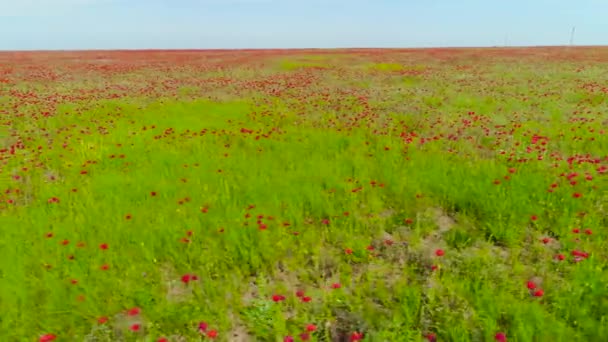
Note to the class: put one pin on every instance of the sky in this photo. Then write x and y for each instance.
(221, 24)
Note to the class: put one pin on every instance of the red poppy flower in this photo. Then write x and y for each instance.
(47, 338)
(202, 326)
(134, 311)
(356, 336)
(278, 298)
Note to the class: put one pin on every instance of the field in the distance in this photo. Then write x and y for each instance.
(345, 195)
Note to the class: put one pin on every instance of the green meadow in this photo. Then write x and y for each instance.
(340, 195)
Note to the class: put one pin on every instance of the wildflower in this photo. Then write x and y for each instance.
(134, 311)
(356, 336)
(278, 298)
(500, 337)
(47, 338)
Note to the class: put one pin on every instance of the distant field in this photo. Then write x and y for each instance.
(293, 195)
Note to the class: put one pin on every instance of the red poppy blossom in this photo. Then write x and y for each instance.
(500, 337)
(102, 320)
(202, 326)
(162, 339)
(440, 252)
(134, 311)
(103, 246)
(311, 327)
(306, 299)
(539, 293)
(288, 339)
(105, 267)
(135, 327)
(212, 334)
(47, 337)
(336, 286)
(186, 278)
(278, 298)
(356, 336)
(348, 251)
(531, 285)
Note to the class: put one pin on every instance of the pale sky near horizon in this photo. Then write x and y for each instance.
(205, 24)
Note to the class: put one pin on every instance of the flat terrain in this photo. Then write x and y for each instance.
(289, 195)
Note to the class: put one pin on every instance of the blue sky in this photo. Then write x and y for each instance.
(137, 24)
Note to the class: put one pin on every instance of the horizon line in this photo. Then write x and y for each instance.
(309, 48)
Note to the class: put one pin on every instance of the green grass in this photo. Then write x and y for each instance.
(267, 194)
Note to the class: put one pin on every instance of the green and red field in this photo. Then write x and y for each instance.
(293, 195)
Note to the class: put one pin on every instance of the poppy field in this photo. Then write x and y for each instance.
(304, 195)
